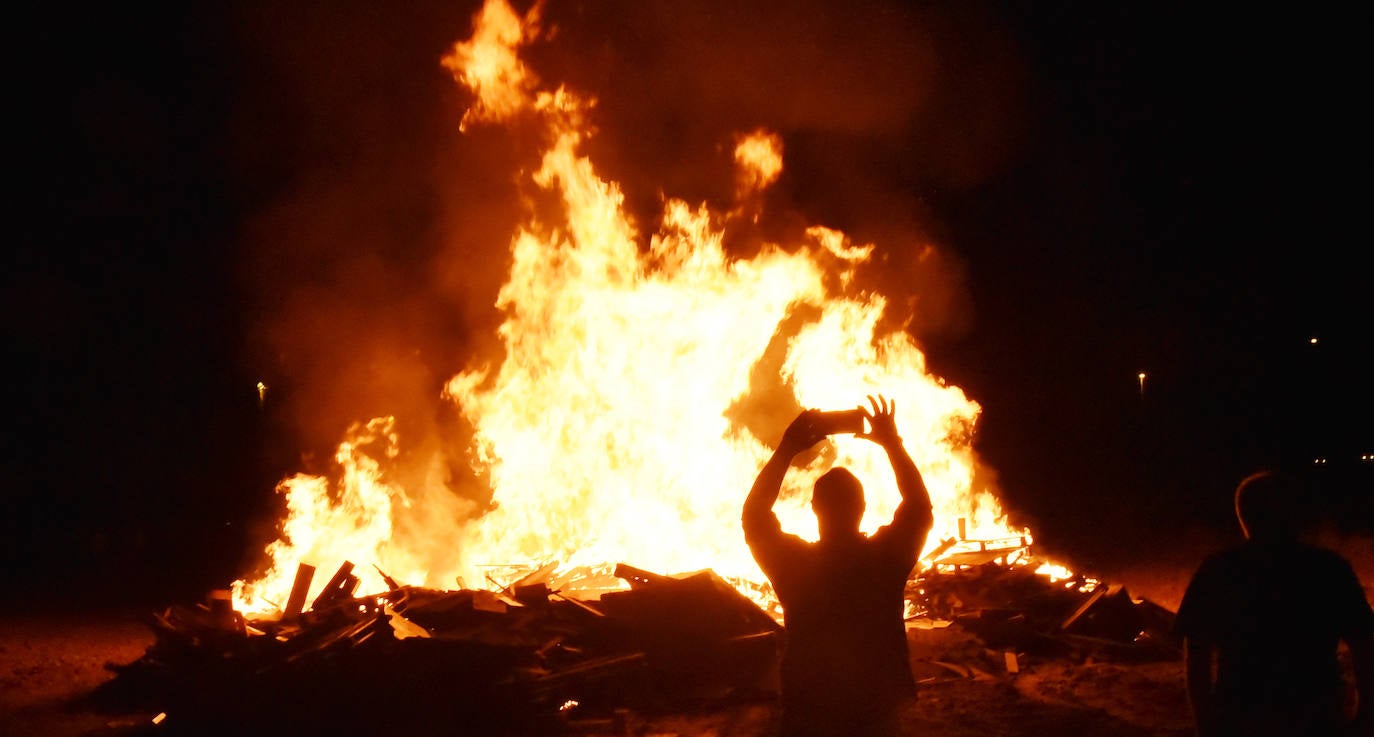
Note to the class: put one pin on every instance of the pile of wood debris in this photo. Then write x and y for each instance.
(997, 591)
(523, 660)
(531, 658)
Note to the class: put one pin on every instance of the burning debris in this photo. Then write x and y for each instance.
(583, 650)
(995, 591)
(521, 660)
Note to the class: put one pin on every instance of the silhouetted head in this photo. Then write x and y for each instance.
(1269, 506)
(838, 501)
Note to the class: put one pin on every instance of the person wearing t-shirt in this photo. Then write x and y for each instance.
(1262, 624)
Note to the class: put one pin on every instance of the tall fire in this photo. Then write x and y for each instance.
(645, 376)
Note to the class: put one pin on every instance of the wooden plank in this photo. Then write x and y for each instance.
(305, 573)
(975, 557)
(639, 576)
(349, 587)
(332, 589)
(1084, 607)
(940, 549)
(539, 575)
(584, 606)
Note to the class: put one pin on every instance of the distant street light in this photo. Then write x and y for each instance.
(1141, 376)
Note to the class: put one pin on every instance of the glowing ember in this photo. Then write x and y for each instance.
(1054, 572)
(642, 383)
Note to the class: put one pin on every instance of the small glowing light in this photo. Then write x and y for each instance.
(1319, 461)
(1312, 340)
(569, 704)
(262, 393)
(1054, 572)
(1141, 377)
(160, 718)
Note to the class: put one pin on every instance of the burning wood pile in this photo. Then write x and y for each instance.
(994, 590)
(521, 660)
(536, 657)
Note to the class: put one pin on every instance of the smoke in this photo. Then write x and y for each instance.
(379, 233)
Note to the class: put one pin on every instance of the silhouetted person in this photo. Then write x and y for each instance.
(1262, 624)
(845, 669)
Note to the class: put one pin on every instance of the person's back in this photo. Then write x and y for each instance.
(845, 666)
(1276, 613)
(1273, 612)
(846, 643)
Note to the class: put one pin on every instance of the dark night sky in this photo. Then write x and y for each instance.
(1127, 186)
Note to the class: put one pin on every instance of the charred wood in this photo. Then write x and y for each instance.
(300, 588)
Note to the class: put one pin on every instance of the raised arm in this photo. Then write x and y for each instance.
(915, 498)
(758, 506)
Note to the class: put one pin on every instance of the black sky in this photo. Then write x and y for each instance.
(1127, 186)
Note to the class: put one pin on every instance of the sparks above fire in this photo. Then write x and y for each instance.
(643, 379)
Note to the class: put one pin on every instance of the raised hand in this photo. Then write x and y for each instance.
(801, 434)
(882, 421)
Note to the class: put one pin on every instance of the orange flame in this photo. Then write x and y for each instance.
(489, 66)
(759, 156)
(624, 421)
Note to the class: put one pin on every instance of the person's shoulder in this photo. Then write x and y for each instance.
(782, 539)
(1221, 568)
(1222, 559)
(1208, 591)
(1315, 555)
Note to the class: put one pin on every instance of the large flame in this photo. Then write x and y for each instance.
(642, 381)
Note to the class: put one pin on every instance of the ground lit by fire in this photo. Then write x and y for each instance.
(643, 380)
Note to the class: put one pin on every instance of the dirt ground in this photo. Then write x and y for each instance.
(50, 664)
